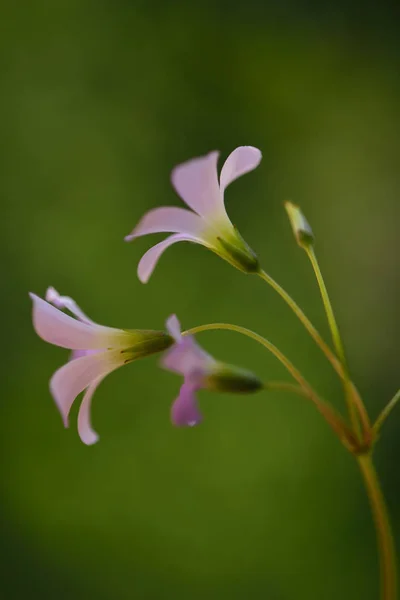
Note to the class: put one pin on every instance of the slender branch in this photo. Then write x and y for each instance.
(386, 547)
(354, 402)
(283, 386)
(330, 415)
(333, 326)
(305, 321)
(386, 412)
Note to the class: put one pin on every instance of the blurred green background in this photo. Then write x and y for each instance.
(99, 100)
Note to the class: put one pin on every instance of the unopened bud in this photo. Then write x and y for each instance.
(301, 227)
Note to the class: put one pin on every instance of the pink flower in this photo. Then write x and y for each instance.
(97, 351)
(200, 371)
(196, 182)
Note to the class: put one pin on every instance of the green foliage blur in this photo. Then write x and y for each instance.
(99, 100)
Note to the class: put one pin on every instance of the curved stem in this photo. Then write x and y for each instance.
(336, 363)
(354, 402)
(386, 411)
(337, 340)
(335, 420)
(283, 386)
(305, 321)
(333, 326)
(385, 539)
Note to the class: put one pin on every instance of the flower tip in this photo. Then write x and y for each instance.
(143, 277)
(174, 328)
(253, 150)
(52, 295)
(185, 411)
(56, 393)
(89, 438)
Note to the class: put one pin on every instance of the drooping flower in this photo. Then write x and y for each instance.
(200, 371)
(97, 351)
(196, 182)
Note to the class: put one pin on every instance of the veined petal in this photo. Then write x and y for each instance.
(150, 258)
(189, 359)
(85, 429)
(168, 219)
(174, 328)
(240, 161)
(57, 328)
(75, 376)
(185, 411)
(196, 182)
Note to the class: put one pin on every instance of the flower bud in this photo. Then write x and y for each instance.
(228, 378)
(301, 228)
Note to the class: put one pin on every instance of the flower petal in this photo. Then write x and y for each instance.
(57, 328)
(167, 219)
(174, 328)
(75, 376)
(196, 182)
(150, 258)
(189, 359)
(85, 429)
(240, 161)
(79, 353)
(184, 411)
(61, 302)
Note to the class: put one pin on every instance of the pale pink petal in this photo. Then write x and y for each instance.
(184, 411)
(174, 328)
(188, 358)
(85, 429)
(150, 258)
(57, 328)
(61, 302)
(53, 297)
(196, 182)
(71, 379)
(240, 161)
(167, 219)
(79, 353)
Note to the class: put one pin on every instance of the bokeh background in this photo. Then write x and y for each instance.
(99, 100)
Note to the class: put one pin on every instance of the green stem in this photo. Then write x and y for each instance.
(355, 404)
(333, 326)
(386, 411)
(387, 555)
(305, 321)
(283, 386)
(333, 419)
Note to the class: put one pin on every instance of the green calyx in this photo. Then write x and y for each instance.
(228, 378)
(237, 252)
(147, 342)
(301, 227)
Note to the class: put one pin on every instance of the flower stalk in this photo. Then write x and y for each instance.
(335, 421)
(355, 404)
(383, 530)
(358, 416)
(386, 412)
